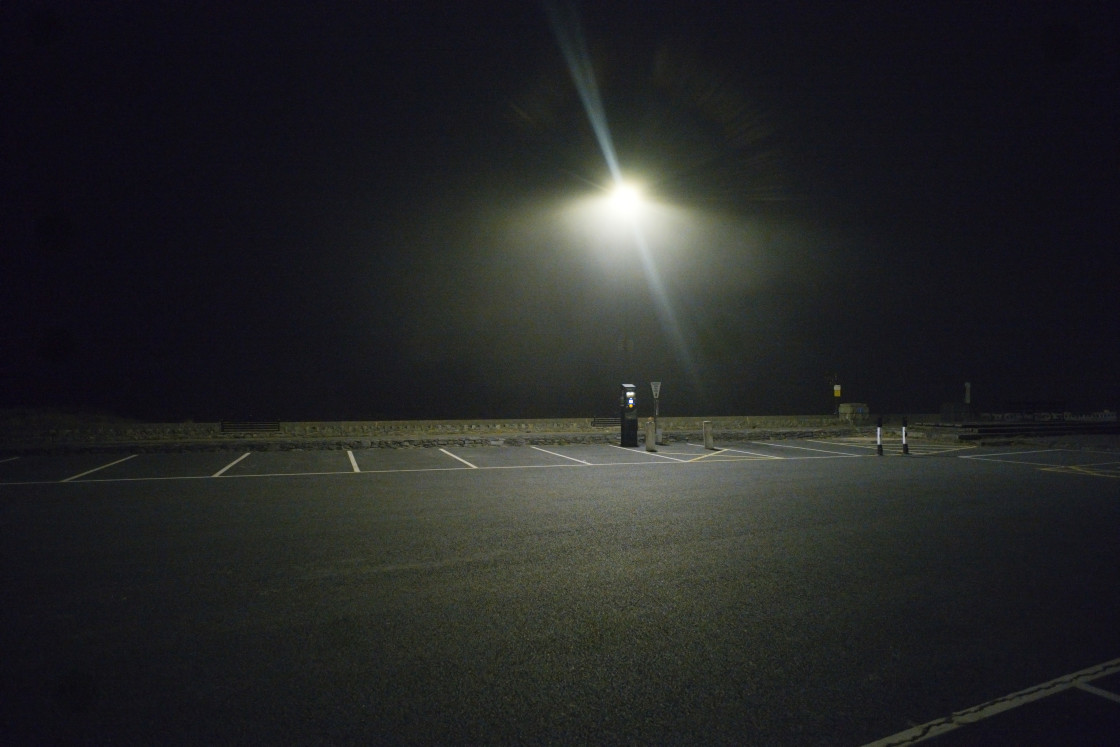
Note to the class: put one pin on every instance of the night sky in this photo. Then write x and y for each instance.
(388, 210)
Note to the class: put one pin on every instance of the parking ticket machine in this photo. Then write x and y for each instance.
(628, 414)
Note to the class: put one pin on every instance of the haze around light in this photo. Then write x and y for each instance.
(624, 198)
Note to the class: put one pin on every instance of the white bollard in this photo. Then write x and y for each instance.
(651, 438)
(708, 442)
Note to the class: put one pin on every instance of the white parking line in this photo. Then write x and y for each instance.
(95, 469)
(1098, 691)
(222, 471)
(640, 458)
(562, 456)
(464, 461)
(999, 705)
(9, 459)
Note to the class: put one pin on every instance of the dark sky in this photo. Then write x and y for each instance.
(391, 210)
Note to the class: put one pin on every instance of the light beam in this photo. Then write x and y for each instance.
(569, 36)
(625, 197)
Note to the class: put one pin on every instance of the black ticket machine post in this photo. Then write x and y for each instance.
(628, 414)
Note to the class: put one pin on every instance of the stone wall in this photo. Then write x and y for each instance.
(372, 434)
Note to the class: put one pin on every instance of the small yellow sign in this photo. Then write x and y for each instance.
(835, 390)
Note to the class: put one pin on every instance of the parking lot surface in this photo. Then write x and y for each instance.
(786, 592)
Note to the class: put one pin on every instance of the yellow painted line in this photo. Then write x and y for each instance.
(935, 449)
(896, 446)
(1114, 465)
(634, 449)
(772, 444)
(753, 453)
(989, 457)
(705, 456)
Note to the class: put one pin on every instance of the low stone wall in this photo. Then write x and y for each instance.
(403, 433)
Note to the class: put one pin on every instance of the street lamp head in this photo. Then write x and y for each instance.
(625, 198)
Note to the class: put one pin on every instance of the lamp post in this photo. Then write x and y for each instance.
(622, 217)
(624, 202)
(618, 211)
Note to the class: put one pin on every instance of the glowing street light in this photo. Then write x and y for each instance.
(625, 199)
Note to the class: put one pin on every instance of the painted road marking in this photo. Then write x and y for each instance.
(934, 449)
(894, 447)
(220, 474)
(1098, 469)
(9, 459)
(807, 448)
(733, 455)
(999, 705)
(1108, 694)
(222, 471)
(95, 469)
(988, 457)
(1110, 468)
(630, 449)
(363, 472)
(562, 456)
(1102, 469)
(754, 453)
(464, 461)
(705, 456)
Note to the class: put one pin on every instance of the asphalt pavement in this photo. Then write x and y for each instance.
(796, 592)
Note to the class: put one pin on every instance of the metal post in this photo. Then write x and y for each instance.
(905, 446)
(879, 437)
(708, 442)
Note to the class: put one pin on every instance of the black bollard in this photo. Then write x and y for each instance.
(905, 446)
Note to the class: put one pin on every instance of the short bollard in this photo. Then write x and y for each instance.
(709, 443)
(651, 435)
(905, 446)
(879, 437)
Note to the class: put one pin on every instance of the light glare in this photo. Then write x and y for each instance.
(626, 198)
